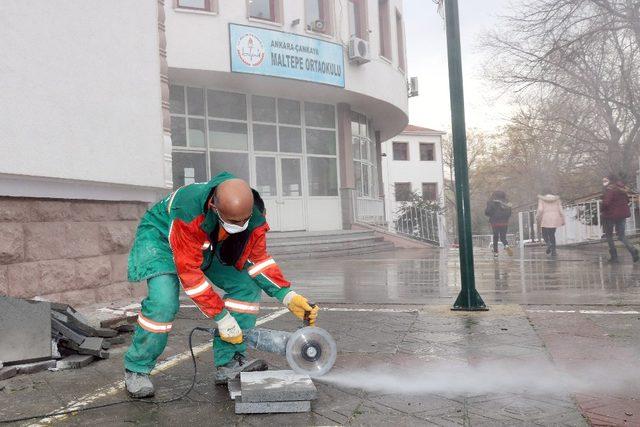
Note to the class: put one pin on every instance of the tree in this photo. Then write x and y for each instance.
(581, 57)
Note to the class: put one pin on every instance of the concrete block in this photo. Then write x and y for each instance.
(94, 272)
(25, 330)
(57, 276)
(95, 211)
(129, 211)
(91, 345)
(115, 340)
(52, 210)
(11, 243)
(119, 267)
(234, 388)
(31, 368)
(117, 237)
(271, 407)
(23, 280)
(276, 386)
(8, 372)
(46, 240)
(75, 361)
(67, 332)
(15, 210)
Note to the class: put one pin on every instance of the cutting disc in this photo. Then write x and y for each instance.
(312, 351)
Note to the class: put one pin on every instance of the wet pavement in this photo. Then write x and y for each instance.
(559, 346)
(576, 276)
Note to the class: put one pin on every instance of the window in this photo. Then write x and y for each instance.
(402, 62)
(400, 151)
(266, 10)
(320, 136)
(403, 191)
(430, 191)
(427, 152)
(383, 28)
(358, 19)
(203, 5)
(319, 16)
(209, 133)
(364, 166)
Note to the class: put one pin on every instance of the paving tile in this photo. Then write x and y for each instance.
(270, 407)
(25, 330)
(276, 386)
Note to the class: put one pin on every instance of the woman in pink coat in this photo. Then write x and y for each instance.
(549, 216)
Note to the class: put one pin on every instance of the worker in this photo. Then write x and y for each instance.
(200, 236)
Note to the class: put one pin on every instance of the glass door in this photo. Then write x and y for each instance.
(291, 202)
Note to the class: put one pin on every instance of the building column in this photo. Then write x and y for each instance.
(347, 176)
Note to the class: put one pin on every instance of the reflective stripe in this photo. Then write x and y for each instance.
(242, 306)
(155, 327)
(204, 286)
(272, 282)
(261, 266)
(171, 200)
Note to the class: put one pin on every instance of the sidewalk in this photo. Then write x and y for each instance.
(553, 350)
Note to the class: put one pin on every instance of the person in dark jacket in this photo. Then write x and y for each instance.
(499, 211)
(614, 211)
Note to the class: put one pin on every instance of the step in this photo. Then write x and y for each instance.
(274, 243)
(314, 247)
(311, 235)
(378, 247)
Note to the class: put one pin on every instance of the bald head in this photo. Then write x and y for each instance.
(234, 201)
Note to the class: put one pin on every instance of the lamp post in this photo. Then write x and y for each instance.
(469, 299)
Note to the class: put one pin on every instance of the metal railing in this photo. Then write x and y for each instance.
(419, 224)
(582, 224)
(370, 211)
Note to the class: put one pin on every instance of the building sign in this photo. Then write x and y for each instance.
(274, 53)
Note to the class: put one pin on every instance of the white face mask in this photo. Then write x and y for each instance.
(232, 228)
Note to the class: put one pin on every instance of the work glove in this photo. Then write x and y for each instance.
(229, 329)
(298, 305)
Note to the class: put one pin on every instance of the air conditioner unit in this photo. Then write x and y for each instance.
(359, 51)
(413, 87)
(318, 25)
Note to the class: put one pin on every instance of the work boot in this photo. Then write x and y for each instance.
(636, 256)
(509, 250)
(138, 385)
(238, 364)
(495, 255)
(548, 251)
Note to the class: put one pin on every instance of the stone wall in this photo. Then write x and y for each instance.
(71, 251)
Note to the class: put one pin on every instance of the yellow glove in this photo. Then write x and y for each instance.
(298, 305)
(229, 329)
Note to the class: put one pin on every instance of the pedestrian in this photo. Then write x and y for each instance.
(499, 211)
(200, 236)
(615, 211)
(549, 216)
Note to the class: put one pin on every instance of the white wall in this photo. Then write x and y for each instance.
(198, 52)
(414, 170)
(81, 92)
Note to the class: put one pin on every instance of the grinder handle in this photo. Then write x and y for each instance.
(306, 320)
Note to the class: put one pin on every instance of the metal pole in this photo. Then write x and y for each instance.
(469, 298)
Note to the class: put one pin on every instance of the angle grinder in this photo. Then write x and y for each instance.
(310, 350)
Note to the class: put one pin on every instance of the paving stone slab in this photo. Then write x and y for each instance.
(91, 345)
(8, 372)
(67, 332)
(25, 330)
(276, 386)
(75, 361)
(234, 388)
(30, 368)
(271, 407)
